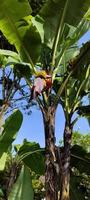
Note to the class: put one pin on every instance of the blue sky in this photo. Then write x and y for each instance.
(32, 127)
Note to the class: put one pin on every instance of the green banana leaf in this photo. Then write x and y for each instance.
(23, 36)
(32, 155)
(80, 65)
(11, 128)
(57, 13)
(3, 161)
(22, 189)
(12, 54)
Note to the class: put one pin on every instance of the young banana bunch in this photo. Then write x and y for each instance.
(42, 82)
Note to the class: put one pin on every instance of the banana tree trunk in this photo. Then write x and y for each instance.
(65, 175)
(50, 155)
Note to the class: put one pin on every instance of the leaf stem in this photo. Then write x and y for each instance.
(58, 33)
(3, 83)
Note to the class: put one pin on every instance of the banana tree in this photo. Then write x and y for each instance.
(42, 43)
(72, 102)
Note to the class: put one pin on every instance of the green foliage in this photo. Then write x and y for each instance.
(80, 152)
(81, 140)
(22, 189)
(11, 128)
(3, 161)
(85, 111)
(9, 175)
(82, 61)
(80, 159)
(24, 36)
(38, 186)
(12, 59)
(80, 162)
(22, 70)
(79, 67)
(80, 170)
(55, 32)
(3, 60)
(87, 16)
(36, 5)
(30, 153)
(80, 186)
(9, 53)
(70, 14)
(1, 194)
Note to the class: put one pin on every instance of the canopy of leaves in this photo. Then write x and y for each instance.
(80, 69)
(67, 13)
